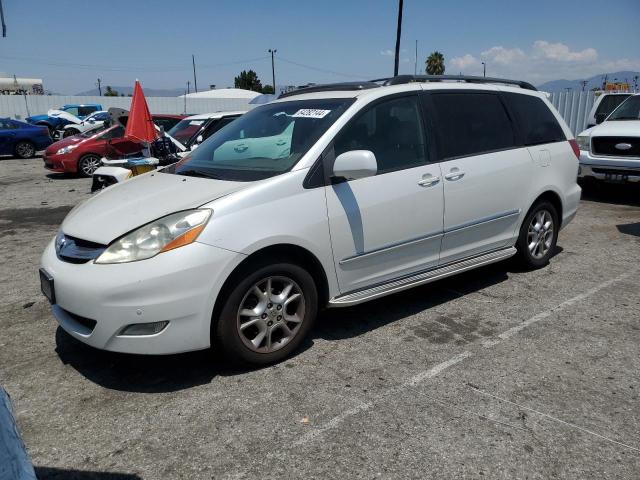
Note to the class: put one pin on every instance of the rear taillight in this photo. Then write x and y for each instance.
(575, 147)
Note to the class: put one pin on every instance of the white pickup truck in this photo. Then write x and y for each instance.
(610, 151)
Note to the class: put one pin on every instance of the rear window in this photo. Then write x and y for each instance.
(610, 102)
(471, 124)
(534, 119)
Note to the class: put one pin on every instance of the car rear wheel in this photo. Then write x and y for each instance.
(538, 235)
(88, 164)
(267, 314)
(25, 149)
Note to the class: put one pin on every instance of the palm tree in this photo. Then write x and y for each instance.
(435, 64)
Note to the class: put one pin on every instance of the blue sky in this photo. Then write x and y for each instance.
(69, 43)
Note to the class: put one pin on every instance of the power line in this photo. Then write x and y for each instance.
(324, 70)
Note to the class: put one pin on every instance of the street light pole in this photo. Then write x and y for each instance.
(273, 69)
(484, 69)
(398, 33)
(99, 87)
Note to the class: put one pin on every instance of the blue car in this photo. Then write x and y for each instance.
(22, 139)
(55, 122)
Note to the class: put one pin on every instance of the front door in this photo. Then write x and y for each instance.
(389, 225)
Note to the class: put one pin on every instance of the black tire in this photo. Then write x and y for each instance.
(225, 330)
(69, 132)
(535, 257)
(88, 164)
(24, 149)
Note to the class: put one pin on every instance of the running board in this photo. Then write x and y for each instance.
(404, 283)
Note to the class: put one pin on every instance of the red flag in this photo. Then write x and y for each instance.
(140, 124)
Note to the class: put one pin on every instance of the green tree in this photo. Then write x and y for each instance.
(110, 92)
(435, 64)
(267, 89)
(248, 81)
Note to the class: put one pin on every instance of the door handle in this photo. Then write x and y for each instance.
(429, 181)
(455, 174)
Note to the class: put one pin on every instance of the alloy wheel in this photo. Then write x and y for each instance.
(25, 150)
(89, 164)
(540, 234)
(271, 314)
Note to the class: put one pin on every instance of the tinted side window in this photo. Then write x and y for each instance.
(392, 130)
(471, 124)
(84, 111)
(534, 119)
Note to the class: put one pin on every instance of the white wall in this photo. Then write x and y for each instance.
(14, 106)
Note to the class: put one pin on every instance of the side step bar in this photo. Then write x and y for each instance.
(429, 276)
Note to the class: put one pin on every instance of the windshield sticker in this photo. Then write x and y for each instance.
(196, 122)
(311, 113)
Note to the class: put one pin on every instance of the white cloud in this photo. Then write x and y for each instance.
(464, 63)
(562, 53)
(543, 61)
(387, 53)
(504, 56)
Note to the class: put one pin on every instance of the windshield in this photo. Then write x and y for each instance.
(92, 131)
(267, 141)
(628, 110)
(185, 129)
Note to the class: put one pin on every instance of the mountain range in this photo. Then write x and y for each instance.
(593, 82)
(551, 86)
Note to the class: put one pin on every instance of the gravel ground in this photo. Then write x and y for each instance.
(497, 373)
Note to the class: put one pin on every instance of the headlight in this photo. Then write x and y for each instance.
(173, 231)
(584, 142)
(66, 149)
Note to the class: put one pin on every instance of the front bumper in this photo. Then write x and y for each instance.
(58, 163)
(609, 168)
(95, 302)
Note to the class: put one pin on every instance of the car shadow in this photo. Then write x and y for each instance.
(170, 373)
(614, 193)
(629, 228)
(61, 176)
(47, 473)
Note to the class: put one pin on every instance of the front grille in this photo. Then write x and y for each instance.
(76, 250)
(87, 323)
(616, 171)
(607, 146)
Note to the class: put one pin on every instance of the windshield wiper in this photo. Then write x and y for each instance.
(196, 173)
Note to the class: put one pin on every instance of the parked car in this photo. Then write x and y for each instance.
(21, 139)
(82, 153)
(195, 129)
(96, 119)
(603, 105)
(57, 119)
(611, 151)
(166, 121)
(330, 196)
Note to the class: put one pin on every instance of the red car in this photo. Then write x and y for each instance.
(81, 154)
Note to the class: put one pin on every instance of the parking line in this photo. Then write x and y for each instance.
(439, 368)
(547, 313)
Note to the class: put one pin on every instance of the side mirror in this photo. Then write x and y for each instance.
(355, 164)
(600, 118)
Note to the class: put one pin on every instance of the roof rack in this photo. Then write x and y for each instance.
(400, 79)
(331, 87)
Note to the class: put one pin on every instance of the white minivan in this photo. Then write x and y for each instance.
(331, 196)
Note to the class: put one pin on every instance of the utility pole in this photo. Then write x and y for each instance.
(583, 83)
(188, 85)
(273, 69)
(99, 87)
(195, 80)
(415, 67)
(4, 26)
(398, 33)
(484, 69)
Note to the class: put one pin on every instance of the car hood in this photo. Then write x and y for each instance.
(37, 118)
(124, 207)
(65, 142)
(616, 128)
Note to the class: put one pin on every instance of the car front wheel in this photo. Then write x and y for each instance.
(267, 314)
(538, 235)
(88, 164)
(25, 150)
